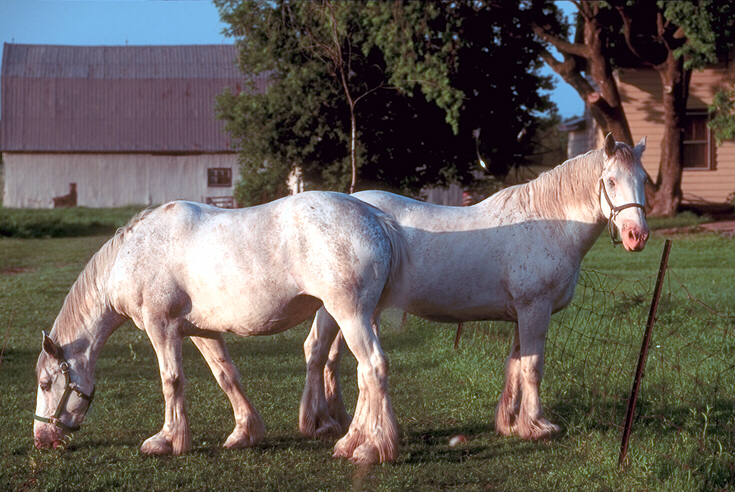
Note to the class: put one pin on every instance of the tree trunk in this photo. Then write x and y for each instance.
(664, 197)
(605, 104)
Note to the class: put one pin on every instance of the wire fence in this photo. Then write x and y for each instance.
(688, 390)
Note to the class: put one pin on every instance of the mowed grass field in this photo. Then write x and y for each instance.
(684, 439)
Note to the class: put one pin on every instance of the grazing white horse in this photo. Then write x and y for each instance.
(187, 269)
(515, 256)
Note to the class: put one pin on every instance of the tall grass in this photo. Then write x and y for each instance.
(680, 442)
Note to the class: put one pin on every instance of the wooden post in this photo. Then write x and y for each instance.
(458, 336)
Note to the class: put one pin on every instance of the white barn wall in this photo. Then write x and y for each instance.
(111, 180)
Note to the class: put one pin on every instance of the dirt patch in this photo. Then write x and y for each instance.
(724, 228)
(16, 270)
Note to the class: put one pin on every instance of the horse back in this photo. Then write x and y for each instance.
(478, 262)
(257, 270)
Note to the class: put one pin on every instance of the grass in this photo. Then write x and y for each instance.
(684, 439)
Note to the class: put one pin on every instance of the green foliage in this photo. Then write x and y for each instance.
(722, 111)
(78, 221)
(422, 77)
(695, 20)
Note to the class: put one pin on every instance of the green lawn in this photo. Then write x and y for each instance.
(684, 439)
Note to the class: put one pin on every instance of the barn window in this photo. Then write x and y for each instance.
(219, 177)
(698, 149)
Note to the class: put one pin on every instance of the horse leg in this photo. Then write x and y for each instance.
(175, 436)
(509, 405)
(373, 434)
(533, 323)
(249, 427)
(315, 419)
(332, 389)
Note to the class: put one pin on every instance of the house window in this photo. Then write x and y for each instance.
(218, 177)
(698, 144)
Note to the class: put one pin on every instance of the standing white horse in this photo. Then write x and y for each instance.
(187, 269)
(515, 256)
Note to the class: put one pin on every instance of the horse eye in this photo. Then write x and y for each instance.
(45, 385)
(611, 183)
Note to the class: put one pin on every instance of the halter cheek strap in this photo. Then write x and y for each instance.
(69, 388)
(614, 211)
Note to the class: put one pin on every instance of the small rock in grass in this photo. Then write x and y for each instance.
(458, 440)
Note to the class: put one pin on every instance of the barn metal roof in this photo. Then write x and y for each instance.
(116, 98)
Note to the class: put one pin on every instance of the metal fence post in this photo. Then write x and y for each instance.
(622, 460)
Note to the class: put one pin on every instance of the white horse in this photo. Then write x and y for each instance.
(187, 269)
(515, 256)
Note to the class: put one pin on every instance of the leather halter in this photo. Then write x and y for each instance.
(69, 388)
(614, 211)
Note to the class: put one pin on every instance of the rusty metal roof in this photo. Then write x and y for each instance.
(116, 98)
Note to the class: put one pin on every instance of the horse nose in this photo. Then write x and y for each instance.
(635, 237)
(47, 437)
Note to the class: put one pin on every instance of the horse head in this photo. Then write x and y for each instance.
(622, 195)
(64, 395)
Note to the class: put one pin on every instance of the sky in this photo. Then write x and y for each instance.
(149, 22)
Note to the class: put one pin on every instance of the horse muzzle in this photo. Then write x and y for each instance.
(634, 236)
(47, 436)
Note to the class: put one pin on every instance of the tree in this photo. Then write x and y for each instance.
(674, 38)
(398, 85)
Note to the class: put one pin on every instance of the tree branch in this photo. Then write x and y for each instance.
(564, 46)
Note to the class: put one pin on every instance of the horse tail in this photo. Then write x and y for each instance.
(398, 244)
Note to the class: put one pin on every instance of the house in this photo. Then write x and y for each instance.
(108, 126)
(583, 134)
(708, 176)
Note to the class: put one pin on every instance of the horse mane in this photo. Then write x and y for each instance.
(567, 185)
(87, 295)
(570, 190)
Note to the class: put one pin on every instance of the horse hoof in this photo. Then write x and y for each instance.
(156, 446)
(539, 431)
(346, 446)
(328, 430)
(366, 454)
(238, 440)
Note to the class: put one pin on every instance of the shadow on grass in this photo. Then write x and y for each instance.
(482, 443)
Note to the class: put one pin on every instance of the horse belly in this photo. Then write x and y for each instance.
(473, 299)
(248, 315)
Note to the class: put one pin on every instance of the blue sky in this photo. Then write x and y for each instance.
(145, 22)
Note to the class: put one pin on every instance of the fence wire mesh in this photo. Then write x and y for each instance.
(687, 395)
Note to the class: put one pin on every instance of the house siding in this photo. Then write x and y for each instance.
(641, 93)
(111, 180)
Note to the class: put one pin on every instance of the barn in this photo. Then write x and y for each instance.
(108, 126)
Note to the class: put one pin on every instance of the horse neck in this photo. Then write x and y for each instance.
(570, 191)
(87, 318)
(569, 194)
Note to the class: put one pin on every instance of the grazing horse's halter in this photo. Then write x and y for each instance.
(614, 211)
(69, 388)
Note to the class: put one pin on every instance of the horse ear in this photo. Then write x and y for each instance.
(609, 145)
(640, 147)
(49, 346)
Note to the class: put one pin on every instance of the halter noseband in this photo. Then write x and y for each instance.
(69, 388)
(614, 211)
